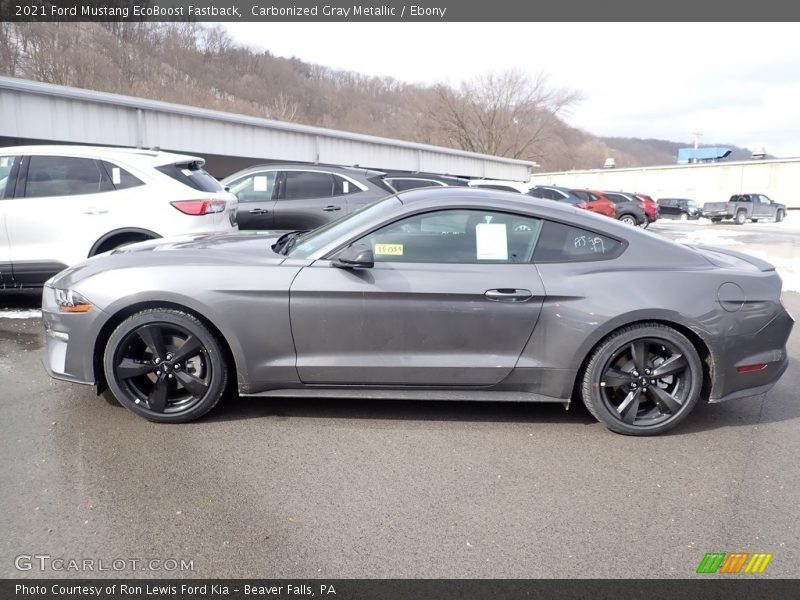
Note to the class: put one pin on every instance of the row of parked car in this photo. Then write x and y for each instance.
(62, 204)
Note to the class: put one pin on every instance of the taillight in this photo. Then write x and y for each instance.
(582, 204)
(729, 207)
(751, 368)
(200, 207)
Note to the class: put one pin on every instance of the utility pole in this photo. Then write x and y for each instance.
(697, 135)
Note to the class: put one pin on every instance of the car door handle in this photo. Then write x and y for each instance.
(508, 295)
(95, 211)
(258, 211)
(332, 208)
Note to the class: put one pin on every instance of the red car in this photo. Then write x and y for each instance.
(650, 206)
(597, 202)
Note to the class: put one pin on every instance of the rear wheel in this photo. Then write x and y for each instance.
(165, 365)
(741, 217)
(779, 215)
(643, 380)
(716, 220)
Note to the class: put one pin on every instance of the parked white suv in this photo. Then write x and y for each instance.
(62, 204)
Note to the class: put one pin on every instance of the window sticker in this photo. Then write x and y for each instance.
(115, 176)
(260, 183)
(492, 241)
(389, 249)
(5, 161)
(345, 187)
(186, 172)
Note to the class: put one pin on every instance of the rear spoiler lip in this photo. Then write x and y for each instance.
(759, 263)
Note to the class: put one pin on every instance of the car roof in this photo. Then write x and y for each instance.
(341, 170)
(138, 156)
(431, 176)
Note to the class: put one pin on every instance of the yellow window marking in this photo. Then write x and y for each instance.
(389, 249)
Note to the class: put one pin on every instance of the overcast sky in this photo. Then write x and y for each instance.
(735, 83)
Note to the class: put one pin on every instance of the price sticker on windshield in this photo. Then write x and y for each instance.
(389, 249)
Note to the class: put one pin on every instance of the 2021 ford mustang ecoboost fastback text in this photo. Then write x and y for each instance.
(439, 293)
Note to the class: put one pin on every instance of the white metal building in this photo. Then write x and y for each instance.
(41, 112)
(705, 182)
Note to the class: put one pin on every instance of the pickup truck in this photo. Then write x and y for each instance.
(741, 207)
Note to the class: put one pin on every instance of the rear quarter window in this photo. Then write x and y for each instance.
(566, 243)
(192, 175)
(120, 178)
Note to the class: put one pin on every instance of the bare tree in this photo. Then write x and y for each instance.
(506, 113)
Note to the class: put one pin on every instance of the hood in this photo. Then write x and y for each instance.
(212, 249)
(239, 242)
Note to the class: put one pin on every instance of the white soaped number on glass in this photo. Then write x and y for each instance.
(596, 243)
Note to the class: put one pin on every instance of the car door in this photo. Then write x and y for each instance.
(256, 194)
(452, 300)
(307, 199)
(59, 209)
(766, 209)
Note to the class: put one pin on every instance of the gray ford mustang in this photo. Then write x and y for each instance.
(446, 293)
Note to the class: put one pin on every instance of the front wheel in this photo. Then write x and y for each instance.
(165, 365)
(628, 220)
(643, 380)
(779, 216)
(684, 216)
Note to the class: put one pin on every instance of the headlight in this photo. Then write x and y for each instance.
(71, 301)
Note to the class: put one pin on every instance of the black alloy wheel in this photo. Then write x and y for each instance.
(165, 365)
(643, 380)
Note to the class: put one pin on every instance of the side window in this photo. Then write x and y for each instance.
(65, 176)
(410, 184)
(565, 243)
(456, 236)
(344, 186)
(764, 199)
(300, 185)
(120, 178)
(256, 187)
(8, 175)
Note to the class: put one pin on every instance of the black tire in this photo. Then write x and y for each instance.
(628, 219)
(754, 220)
(779, 215)
(716, 220)
(165, 365)
(110, 398)
(741, 217)
(646, 403)
(684, 216)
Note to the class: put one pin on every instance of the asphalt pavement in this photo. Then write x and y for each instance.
(334, 488)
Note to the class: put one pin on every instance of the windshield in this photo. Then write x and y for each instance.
(311, 242)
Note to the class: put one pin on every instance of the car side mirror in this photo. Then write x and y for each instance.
(357, 256)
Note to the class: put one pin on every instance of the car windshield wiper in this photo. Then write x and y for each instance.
(286, 241)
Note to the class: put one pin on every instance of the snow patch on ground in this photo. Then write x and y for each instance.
(16, 313)
(710, 237)
(786, 266)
